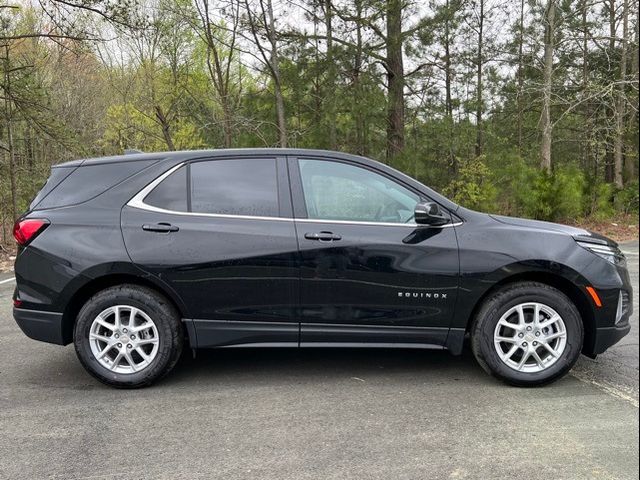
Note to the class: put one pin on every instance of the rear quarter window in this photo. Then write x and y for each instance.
(57, 175)
(87, 182)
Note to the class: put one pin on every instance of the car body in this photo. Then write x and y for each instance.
(293, 247)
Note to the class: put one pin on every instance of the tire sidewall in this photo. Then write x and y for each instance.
(500, 304)
(163, 318)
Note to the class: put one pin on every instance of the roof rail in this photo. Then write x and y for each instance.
(132, 151)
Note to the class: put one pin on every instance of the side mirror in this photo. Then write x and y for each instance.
(429, 213)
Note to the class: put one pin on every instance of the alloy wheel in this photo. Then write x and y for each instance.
(124, 339)
(530, 337)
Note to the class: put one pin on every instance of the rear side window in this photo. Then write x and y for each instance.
(235, 187)
(229, 187)
(89, 181)
(171, 193)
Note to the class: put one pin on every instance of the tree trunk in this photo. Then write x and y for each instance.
(633, 116)
(361, 134)
(331, 77)
(395, 80)
(9, 119)
(164, 125)
(609, 155)
(275, 69)
(618, 153)
(545, 121)
(453, 162)
(479, 61)
(585, 87)
(520, 77)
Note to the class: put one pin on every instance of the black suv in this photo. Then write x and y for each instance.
(135, 257)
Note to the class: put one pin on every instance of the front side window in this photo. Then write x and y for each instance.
(338, 191)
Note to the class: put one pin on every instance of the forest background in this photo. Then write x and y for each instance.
(521, 107)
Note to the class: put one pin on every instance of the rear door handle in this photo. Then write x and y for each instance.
(323, 236)
(161, 227)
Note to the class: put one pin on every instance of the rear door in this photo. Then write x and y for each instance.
(219, 233)
(368, 272)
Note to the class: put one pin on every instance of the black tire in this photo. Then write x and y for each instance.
(482, 332)
(163, 314)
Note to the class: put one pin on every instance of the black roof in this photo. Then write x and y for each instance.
(185, 154)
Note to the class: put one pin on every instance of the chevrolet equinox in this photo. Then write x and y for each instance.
(134, 258)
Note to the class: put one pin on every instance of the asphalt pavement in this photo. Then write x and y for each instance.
(315, 414)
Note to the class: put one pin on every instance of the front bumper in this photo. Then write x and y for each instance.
(40, 325)
(609, 336)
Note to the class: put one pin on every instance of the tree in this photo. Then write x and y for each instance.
(263, 25)
(546, 125)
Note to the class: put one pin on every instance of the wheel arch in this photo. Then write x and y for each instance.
(95, 285)
(570, 289)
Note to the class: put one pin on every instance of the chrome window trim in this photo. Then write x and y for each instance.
(384, 224)
(138, 202)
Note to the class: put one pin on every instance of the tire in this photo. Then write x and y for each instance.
(160, 340)
(506, 305)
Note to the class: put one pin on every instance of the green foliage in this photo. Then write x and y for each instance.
(599, 198)
(554, 196)
(473, 187)
(158, 87)
(626, 200)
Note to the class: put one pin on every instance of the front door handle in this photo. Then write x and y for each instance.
(323, 236)
(161, 227)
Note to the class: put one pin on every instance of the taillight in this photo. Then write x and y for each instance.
(26, 230)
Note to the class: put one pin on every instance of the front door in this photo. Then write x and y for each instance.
(219, 233)
(368, 272)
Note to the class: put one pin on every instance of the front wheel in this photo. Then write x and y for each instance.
(128, 336)
(527, 334)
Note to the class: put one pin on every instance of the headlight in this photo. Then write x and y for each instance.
(608, 252)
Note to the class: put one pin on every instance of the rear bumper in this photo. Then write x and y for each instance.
(40, 325)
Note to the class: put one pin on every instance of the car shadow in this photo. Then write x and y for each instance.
(287, 365)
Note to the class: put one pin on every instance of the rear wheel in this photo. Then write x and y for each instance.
(128, 336)
(527, 334)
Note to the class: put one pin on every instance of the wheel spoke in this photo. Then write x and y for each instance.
(555, 335)
(512, 326)
(116, 361)
(521, 319)
(102, 338)
(511, 351)
(130, 361)
(550, 350)
(142, 353)
(116, 317)
(147, 341)
(536, 314)
(146, 325)
(104, 351)
(132, 317)
(537, 358)
(506, 339)
(523, 360)
(549, 322)
(106, 324)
